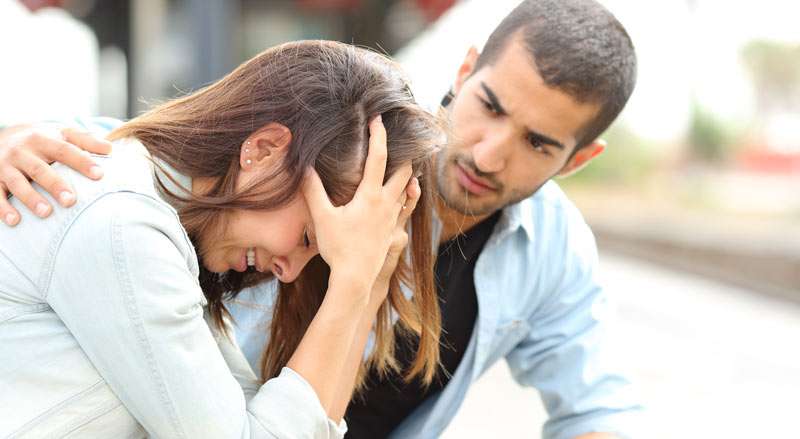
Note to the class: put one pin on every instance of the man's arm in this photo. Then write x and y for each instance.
(25, 154)
(567, 354)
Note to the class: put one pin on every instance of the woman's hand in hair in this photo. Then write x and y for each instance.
(354, 239)
(399, 242)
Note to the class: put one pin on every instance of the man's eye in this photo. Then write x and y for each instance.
(488, 106)
(538, 145)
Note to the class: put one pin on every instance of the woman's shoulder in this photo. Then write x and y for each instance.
(127, 189)
(121, 228)
(88, 235)
(128, 168)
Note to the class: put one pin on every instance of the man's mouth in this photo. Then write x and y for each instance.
(472, 183)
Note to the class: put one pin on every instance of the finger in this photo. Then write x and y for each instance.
(414, 193)
(398, 181)
(73, 156)
(47, 177)
(9, 215)
(21, 188)
(375, 166)
(399, 243)
(315, 194)
(86, 141)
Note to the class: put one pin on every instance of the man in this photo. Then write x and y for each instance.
(516, 262)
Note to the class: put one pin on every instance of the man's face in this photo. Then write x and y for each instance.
(510, 134)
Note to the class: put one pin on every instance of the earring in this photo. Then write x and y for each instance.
(248, 161)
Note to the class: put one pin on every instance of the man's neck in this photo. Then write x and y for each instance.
(454, 222)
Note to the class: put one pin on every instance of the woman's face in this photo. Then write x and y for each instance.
(282, 241)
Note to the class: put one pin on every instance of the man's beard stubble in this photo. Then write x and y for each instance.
(466, 204)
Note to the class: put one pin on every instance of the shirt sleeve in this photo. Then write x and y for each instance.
(124, 282)
(567, 355)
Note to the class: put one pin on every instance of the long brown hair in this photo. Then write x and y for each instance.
(325, 93)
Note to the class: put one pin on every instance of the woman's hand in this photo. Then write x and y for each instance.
(354, 239)
(399, 242)
(26, 153)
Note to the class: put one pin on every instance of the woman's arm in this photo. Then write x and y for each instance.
(354, 240)
(380, 290)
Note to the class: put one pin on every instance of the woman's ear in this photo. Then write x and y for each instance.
(265, 147)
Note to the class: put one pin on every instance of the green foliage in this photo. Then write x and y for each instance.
(709, 138)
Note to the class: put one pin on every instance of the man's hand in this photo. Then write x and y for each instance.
(26, 153)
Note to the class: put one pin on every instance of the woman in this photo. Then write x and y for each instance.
(101, 305)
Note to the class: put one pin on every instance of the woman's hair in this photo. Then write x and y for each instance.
(325, 93)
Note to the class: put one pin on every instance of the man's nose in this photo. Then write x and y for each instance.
(491, 154)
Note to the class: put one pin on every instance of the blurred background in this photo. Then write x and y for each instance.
(695, 204)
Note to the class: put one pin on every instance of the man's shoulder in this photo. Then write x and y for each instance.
(551, 195)
(548, 210)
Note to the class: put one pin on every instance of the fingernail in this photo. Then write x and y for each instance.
(42, 209)
(86, 153)
(96, 171)
(11, 219)
(66, 198)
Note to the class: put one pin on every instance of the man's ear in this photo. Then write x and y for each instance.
(265, 147)
(466, 68)
(582, 158)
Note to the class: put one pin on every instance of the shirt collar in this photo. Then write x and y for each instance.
(182, 186)
(514, 216)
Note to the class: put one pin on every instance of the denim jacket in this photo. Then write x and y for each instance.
(541, 308)
(102, 327)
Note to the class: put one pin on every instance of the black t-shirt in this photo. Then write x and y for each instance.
(387, 402)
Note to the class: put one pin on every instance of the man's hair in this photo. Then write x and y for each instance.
(578, 47)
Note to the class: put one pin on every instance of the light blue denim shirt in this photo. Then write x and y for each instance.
(541, 308)
(103, 332)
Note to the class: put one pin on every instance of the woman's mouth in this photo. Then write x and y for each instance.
(251, 257)
(241, 265)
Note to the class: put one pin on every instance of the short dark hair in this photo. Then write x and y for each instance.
(578, 47)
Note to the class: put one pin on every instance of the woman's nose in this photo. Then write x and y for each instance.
(292, 266)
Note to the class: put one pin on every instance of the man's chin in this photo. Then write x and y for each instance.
(467, 204)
